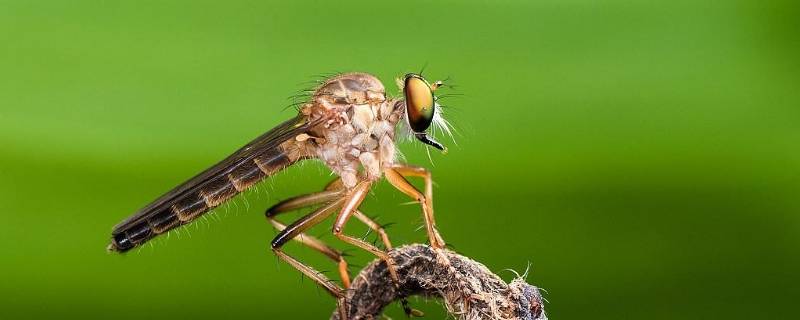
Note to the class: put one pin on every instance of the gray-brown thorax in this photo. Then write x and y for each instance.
(360, 130)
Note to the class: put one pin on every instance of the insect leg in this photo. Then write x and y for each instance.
(332, 288)
(369, 247)
(310, 241)
(331, 191)
(350, 208)
(375, 227)
(296, 229)
(303, 201)
(336, 184)
(395, 176)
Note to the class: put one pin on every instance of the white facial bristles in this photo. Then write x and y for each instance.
(441, 124)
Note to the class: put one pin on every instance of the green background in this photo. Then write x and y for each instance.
(643, 157)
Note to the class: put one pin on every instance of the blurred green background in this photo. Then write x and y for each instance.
(642, 156)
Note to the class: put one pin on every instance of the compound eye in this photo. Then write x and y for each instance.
(419, 102)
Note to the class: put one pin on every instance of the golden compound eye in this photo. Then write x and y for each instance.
(419, 102)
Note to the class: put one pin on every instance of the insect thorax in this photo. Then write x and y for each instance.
(360, 129)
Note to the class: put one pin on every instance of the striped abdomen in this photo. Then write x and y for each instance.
(197, 196)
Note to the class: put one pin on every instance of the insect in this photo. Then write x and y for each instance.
(349, 124)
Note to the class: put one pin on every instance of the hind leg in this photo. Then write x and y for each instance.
(296, 231)
(307, 240)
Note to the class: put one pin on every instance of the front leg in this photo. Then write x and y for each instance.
(395, 175)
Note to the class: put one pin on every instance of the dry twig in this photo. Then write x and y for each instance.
(469, 290)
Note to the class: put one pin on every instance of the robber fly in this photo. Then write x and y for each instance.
(349, 124)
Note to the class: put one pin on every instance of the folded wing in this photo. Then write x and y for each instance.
(258, 159)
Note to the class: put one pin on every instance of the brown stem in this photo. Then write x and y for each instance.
(469, 290)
